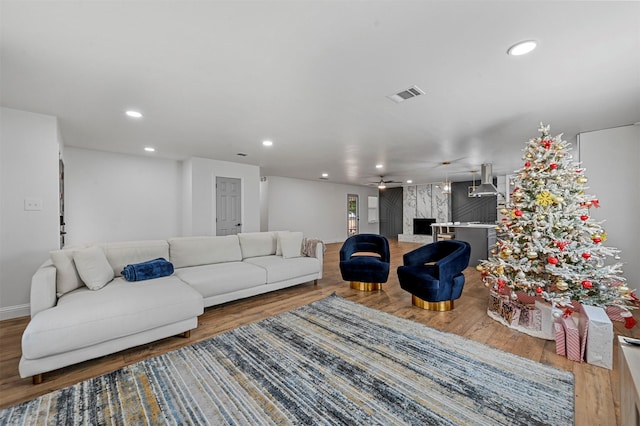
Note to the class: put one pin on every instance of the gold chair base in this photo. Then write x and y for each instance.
(445, 305)
(362, 286)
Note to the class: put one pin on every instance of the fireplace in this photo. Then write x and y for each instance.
(422, 226)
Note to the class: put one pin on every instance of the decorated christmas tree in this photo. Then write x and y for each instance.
(548, 245)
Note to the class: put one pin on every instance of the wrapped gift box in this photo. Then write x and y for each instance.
(546, 320)
(510, 313)
(560, 339)
(598, 336)
(572, 338)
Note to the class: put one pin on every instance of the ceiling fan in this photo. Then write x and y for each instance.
(382, 184)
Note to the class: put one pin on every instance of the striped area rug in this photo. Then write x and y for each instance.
(328, 363)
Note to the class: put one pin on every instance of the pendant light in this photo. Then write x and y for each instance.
(446, 183)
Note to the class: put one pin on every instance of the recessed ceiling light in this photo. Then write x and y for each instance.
(267, 143)
(325, 175)
(522, 48)
(409, 181)
(149, 149)
(378, 166)
(134, 114)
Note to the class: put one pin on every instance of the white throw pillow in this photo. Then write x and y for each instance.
(93, 267)
(291, 243)
(278, 244)
(67, 278)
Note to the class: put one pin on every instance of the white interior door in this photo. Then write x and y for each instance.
(228, 206)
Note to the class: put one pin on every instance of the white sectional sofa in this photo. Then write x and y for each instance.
(71, 323)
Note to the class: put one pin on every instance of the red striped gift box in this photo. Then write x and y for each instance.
(572, 338)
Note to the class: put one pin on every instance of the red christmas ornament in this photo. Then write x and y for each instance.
(597, 240)
(587, 284)
(584, 217)
(552, 260)
(586, 255)
(561, 244)
(518, 213)
(501, 284)
(629, 322)
(538, 290)
(553, 166)
(546, 144)
(527, 164)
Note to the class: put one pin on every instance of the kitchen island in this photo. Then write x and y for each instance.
(481, 237)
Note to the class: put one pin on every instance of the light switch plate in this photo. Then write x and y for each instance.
(32, 204)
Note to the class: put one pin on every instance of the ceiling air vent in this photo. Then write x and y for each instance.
(411, 92)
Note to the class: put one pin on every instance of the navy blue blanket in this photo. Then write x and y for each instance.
(155, 268)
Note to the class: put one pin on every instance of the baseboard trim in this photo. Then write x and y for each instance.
(16, 311)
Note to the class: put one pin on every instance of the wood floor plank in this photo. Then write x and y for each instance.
(597, 394)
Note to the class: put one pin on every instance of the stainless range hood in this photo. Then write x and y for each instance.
(486, 188)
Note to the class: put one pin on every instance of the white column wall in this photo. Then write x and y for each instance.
(610, 158)
(29, 152)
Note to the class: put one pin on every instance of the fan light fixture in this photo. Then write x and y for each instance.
(522, 48)
(381, 185)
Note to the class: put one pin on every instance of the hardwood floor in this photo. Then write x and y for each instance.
(597, 399)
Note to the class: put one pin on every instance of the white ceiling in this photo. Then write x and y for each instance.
(214, 79)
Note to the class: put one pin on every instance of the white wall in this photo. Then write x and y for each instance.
(318, 209)
(610, 158)
(29, 147)
(117, 197)
(200, 205)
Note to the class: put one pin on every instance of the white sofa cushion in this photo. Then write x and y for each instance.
(255, 244)
(222, 278)
(291, 243)
(67, 277)
(280, 269)
(93, 267)
(122, 254)
(84, 318)
(194, 251)
(278, 244)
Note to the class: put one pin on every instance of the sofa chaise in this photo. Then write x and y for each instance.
(82, 308)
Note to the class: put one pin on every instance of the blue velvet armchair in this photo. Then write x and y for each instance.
(364, 260)
(433, 273)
